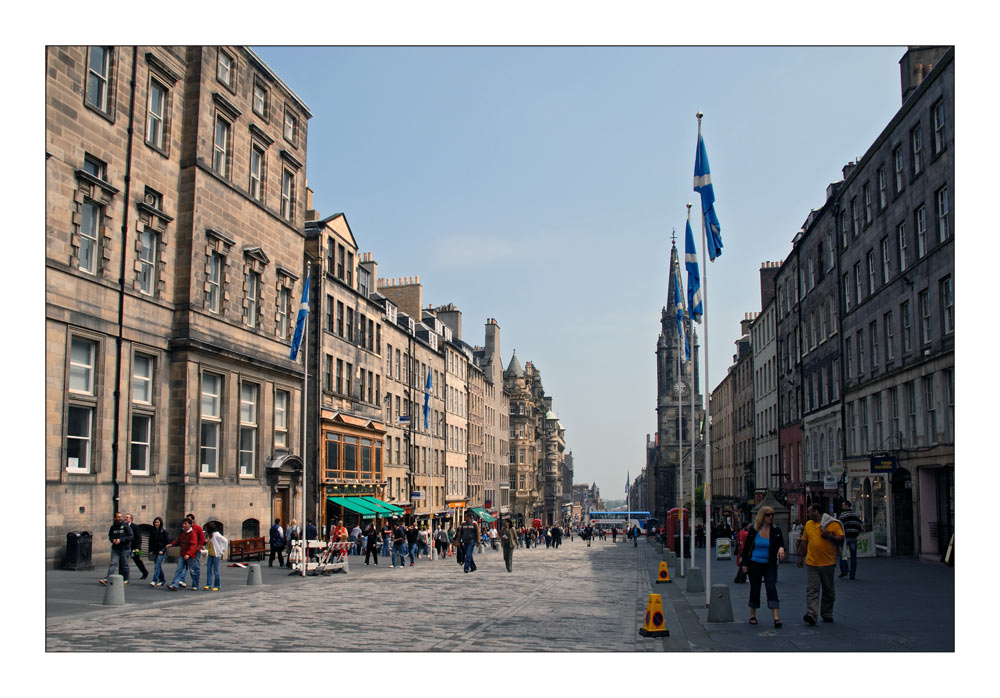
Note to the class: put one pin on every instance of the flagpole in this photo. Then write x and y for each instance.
(691, 366)
(305, 408)
(680, 450)
(708, 422)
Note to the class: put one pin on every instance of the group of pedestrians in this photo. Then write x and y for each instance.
(822, 540)
(280, 540)
(126, 545)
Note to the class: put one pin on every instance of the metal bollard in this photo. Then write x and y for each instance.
(720, 607)
(254, 576)
(114, 592)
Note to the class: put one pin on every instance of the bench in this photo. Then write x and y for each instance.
(246, 547)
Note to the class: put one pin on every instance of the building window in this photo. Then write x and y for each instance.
(211, 422)
(283, 323)
(79, 423)
(925, 317)
(861, 352)
(865, 442)
(257, 162)
(866, 195)
(253, 297)
(330, 250)
(888, 336)
(260, 96)
(871, 271)
(156, 107)
(82, 360)
(873, 338)
(148, 243)
(894, 412)
(340, 374)
(340, 319)
(885, 261)
(248, 428)
(91, 224)
(328, 314)
(943, 229)
(287, 195)
(99, 78)
(142, 379)
(851, 429)
(930, 415)
(140, 442)
(906, 323)
(883, 185)
(214, 292)
(937, 123)
(877, 405)
(897, 159)
(340, 261)
(850, 357)
(916, 151)
(950, 379)
(843, 229)
(291, 127)
(350, 325)
(947, 306)
(220, 154)
(855, 217)
(901, 237)
(909, 394)
(857, 281)
(847, 293)
(225, 71)
(920, 221)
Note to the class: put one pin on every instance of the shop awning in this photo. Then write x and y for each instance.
(483, 514)
(380, 506)
(357, 505)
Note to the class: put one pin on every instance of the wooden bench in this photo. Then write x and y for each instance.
(244, 548)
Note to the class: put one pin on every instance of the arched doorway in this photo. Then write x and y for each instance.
(902, 512)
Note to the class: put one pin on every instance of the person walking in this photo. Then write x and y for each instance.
(468, 535)
(386, 537)
(398, 541)
(311, 534)
(588, 533)
(635, 536)
(292, 534)
(136, 547)
(853, 527)
(120, 535)
(614, 534)
(508, 541)
(818, 549)
(441, 541)
(216, 544)
(763, 549)
(371, 543)
(412, 539)
(188, 542)
(355, 538)
(451, 538)
(158, 540)
(194, 564)
(277, 541)
(493, 538)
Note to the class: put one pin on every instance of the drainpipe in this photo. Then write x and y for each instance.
(121, 286)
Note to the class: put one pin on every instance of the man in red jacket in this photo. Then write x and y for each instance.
(188, 542)
(194, 564)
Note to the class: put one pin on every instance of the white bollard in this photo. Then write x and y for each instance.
(254, 576)
(114, 592)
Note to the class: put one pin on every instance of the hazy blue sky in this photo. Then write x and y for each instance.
(540, 186)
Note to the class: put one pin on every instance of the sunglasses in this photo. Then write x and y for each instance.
(771, 514)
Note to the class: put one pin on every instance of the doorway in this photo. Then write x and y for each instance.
(902, 512)
(279, 506)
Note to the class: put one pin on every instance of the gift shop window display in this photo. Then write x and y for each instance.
(868, 494)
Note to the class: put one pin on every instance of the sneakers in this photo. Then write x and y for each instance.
(215, 588)
(102, 581)
(411, 564)
(171, 587)
(152, 584)
(181, 584)
(126, 582)
(206, 587)
(159, 584)
(809, 619)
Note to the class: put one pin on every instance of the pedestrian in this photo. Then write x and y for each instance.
(614, 534)
(741, 539)
(386, 538)
(853, 527)
(277, 541)
(588, 533)
(763, 549)
(508, 542)
(635, 536)
(216, 544)
(493, 538)
(398, 541)
(451, 538)
(371, 543)
(194, 565)
(468, 535)
(441, 541)
(188, 542)
(338, 534)
(412, 538)
(311, 534)
(818, 549)
(158, 540)
(548, 537)
(292, 534)
(120, 535)
(355, 538)
(136, 547)
(424, 549)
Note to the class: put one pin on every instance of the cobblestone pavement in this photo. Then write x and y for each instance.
(569, 599)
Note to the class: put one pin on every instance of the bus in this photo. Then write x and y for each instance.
(618, 519)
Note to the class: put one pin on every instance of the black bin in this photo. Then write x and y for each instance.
(78, 550)
(677, 546)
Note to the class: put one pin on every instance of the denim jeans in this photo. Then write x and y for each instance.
(852, 548)
(119, 557)
(470, 564)
(212, 566)
(398, 553)
(194, 567)
(411, 551)
(158, 568)
(385, 547)
(181, 573)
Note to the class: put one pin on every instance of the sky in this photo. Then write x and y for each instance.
(541, 185)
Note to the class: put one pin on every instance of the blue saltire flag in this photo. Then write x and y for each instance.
(427, 398)
(703, 185)
(301, 320)
(628, 479)
(694, 276)
(679, 306)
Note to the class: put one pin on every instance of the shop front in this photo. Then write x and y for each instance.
(351, 477)
(867, 488)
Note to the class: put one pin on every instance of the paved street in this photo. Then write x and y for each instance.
(575, 599)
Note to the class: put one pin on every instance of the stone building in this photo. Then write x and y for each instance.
(765, 360)
(788, 322)
(897, 278)
(496, 433)
(174, 253)
(528, 409)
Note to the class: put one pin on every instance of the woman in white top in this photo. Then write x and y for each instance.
(216, 544)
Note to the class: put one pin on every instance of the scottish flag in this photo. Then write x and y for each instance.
(679, 306)
(427, 398)
(703, 185)
(300, 322)
(628, 479)
(694, 275)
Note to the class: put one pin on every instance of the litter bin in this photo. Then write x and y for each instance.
(78, 549)
(677, 546)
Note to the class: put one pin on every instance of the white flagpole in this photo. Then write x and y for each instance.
(305, 407)
(708, 422)
(691, 366)
(680, 450)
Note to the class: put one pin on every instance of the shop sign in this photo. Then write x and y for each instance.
(830, 482)
(340, 490)
(881, 464)
(417, 494)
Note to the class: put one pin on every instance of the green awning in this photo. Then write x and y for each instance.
(356, 504)
(483, 514)
(380, 506)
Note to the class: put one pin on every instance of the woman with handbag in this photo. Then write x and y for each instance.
(763, 550)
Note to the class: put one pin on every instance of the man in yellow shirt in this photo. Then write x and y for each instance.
(818, 548)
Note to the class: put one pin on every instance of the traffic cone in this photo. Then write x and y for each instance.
(663, 576)
(654, 626)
